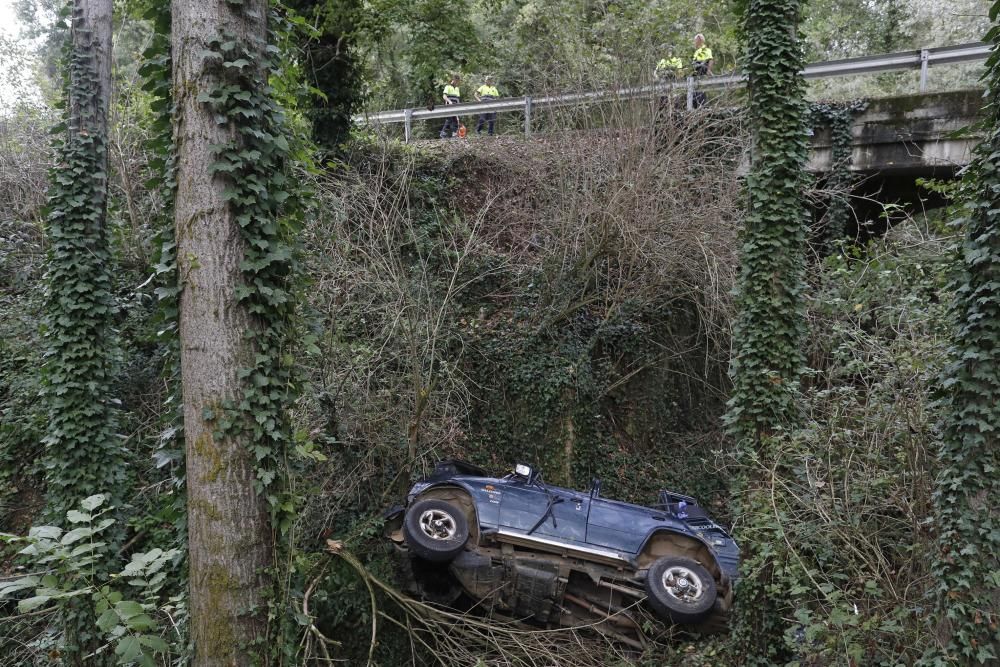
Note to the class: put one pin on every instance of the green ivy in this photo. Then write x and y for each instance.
(840, 117)
(254, 167)
(83, 451)
(967, 564)
(157, 81)
(770, 327)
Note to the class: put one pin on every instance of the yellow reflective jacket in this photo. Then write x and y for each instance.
(452, 91)
(485, 90)
(673, 63)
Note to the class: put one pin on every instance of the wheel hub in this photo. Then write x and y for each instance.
(682, 584)
(437, 525)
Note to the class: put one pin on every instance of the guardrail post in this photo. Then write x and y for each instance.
(924, 64)
(407, 124)
(690, 93)
(527, 117)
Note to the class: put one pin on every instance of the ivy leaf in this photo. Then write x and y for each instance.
(128, 649)
(32, 603)
(93, 502)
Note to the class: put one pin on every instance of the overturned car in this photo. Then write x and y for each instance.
(561, 557)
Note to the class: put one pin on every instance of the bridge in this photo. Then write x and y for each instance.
(907, 136)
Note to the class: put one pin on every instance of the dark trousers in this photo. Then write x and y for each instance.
(486, 118)
(450, 124)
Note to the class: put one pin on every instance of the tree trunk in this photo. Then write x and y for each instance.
(90, 34)
(229, 534)
(770, 325)
(83, 452)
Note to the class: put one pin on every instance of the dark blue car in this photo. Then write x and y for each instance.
(568, 557)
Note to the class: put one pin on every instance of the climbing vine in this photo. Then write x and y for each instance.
(840, 117)
(967, 564)
(260, 197)
(770, 324)
(168, 455)
(83, 450)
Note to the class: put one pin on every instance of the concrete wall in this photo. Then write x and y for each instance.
(911, 134)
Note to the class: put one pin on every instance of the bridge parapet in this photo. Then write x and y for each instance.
(909, 134)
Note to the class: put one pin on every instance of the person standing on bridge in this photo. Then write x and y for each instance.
(701, 64)
(669, 68)
(452, 95)
(485, 93)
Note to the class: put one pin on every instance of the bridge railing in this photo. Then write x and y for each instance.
(920, 59)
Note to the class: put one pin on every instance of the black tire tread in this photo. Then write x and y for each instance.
(665, 606)
(435, 551)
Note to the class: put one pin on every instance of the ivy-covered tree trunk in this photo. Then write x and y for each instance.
(83, 452)
(229, 528)
(967, 564)
(770, 324)
(84, 455)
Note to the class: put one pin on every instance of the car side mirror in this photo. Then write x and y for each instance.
(595, 488)
(525, 471)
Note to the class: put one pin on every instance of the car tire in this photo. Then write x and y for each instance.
(680, 589)
(435, 530)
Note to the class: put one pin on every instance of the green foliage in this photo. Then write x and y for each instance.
(770, 321)
(840, 118)
(68, 564)
(156, 72)
(849, 492)
(83, 451)
(327, 32)
(967, 564)
(424, 41)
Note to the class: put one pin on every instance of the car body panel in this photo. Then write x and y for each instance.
(524, 507)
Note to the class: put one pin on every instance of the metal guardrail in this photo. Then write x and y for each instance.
(921, 59)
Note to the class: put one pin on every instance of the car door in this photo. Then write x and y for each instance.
(523, 506)
(619, 526)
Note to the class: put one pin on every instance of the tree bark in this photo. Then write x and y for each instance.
(229, 533)
(90, 35)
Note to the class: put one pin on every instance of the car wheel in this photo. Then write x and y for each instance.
(680, 589)
(435, 530)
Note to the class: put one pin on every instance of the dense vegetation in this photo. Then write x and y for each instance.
(568, 300)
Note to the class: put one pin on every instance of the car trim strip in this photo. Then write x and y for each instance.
(532, 539)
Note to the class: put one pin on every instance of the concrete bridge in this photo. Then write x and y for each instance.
(897, 140)
(911, 135)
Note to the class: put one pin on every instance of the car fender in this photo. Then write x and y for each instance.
(686, 535)
(479, 495)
